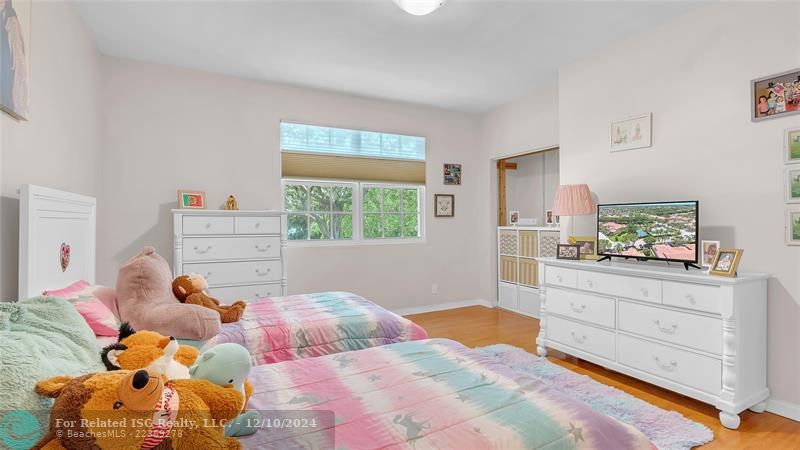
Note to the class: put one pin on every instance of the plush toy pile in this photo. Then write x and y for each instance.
(156, 394)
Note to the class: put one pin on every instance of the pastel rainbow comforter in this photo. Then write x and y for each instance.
(429, 394)
(301, 326)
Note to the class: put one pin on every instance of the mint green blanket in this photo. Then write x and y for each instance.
(41, 338)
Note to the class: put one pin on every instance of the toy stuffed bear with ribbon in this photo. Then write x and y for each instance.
(191, 289)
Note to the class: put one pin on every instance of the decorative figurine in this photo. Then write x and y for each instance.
(231, 204)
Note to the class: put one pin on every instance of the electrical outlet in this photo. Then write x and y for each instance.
(434, 288)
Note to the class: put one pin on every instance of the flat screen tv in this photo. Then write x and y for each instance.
(665, 231)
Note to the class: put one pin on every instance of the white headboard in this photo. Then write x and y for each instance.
(57, 234)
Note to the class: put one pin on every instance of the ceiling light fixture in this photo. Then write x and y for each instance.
(419, 7)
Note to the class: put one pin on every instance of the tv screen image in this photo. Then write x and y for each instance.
(666, 231)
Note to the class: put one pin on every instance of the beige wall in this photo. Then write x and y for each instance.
(704, 145)
(59, 146)
(522, 126)
(170, 128)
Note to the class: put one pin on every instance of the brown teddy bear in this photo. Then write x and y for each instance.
(137, 410)
(149, 350)
(191, 289)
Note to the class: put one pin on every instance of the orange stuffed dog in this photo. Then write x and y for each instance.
(191, 289)
(149, 350)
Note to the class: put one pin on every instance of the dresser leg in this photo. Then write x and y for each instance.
(729, 420)
(759, 407)
(542, 351)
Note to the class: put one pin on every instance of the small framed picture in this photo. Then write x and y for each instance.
(452, 174)
(587, 244)
(191, 199)
(445, 205)
(549, 217)
(513, 217)
(726, 262)
(710, 250)
(569, 251)
(793, 227)
(775, 96)
(791, 144)
(632, 133)
(792, 184)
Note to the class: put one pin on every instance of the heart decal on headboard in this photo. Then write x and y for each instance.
(65, 250)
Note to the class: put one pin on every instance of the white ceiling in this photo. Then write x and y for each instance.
(468, 56)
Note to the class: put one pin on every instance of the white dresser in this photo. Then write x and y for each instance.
(517, 278)
(242, 254)
(700, 335)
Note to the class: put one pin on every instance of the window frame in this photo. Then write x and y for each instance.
(358, 213)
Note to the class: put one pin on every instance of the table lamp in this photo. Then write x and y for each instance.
(573, 200)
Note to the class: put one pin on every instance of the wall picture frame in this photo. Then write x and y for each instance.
(791, 146)
(709, 251)
(793, 226)
(792, 184)
(452, 174)
(444, 205)
(569, 252)
(549, 217)
(775, 96)
(726, 262)
(191, 199)
(587, 244)
(632, 133)
(14, 94)
(513, 217)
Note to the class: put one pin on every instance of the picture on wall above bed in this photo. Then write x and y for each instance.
(793, 227)
(632, 133)
(15, 59)
(452, 174)
(793, 184)
(791, 146)
(775, 96)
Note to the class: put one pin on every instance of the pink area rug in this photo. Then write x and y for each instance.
(668, 430)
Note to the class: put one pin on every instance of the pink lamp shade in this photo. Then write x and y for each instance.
(573, 200)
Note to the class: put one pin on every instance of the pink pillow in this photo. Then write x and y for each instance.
(94, 303)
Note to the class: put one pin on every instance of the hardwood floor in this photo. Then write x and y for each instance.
(478, 326)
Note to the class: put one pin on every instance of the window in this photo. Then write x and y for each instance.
(297, 137)
(329, 211)
(391, 212)
(319, 211)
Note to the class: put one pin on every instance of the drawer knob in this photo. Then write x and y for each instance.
(207, 275)
(202, 252)
(578, 339)
(559, 279)
(589, 283)
(208, 225)
(263, 248)
(669, 367)
(258, 224)
(262, 273)
(666, 330)
(577, 309)
(691, 298)
(644, 292)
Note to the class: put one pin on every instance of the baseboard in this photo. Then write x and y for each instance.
(785, 409)
(442, 307)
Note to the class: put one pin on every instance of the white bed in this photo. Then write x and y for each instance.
(57, 239)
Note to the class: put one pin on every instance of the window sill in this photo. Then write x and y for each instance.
(363, 242)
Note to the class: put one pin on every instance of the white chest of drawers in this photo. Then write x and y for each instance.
(242, 254)
(700, 335)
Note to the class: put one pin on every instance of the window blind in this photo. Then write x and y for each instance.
(310, 151)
